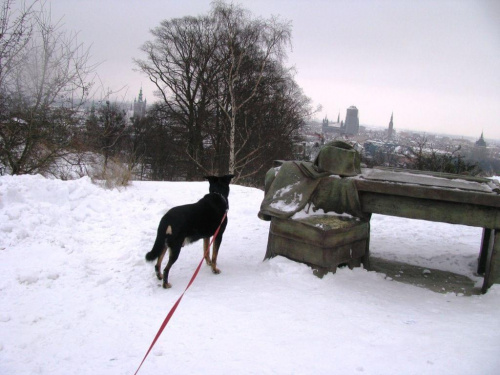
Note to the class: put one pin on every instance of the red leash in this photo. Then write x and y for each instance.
(174, 307)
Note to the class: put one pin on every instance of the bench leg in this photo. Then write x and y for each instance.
(365, 259)
(490, 246)
(483, 255)
(270, 251)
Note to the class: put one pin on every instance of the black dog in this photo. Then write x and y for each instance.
(185, 224)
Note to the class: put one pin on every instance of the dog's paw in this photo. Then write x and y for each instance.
(216, 271)
(158, 273)
(166, 285)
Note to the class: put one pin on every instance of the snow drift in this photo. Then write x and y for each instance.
(77, 296)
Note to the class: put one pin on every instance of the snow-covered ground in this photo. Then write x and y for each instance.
(77, 296)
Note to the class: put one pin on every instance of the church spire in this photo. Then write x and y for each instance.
(481, 142)
(139, 106)
(391, 127)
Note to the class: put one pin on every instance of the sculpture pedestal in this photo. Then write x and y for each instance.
(322, 241)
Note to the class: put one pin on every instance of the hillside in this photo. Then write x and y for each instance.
(77, 296)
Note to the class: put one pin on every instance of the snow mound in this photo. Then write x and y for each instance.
(79, 298)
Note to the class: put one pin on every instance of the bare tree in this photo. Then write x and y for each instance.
(106, 131)
(243, 38)
(422, 156)
(179, 61)
(15, 33)
(268, 127)
(415, 153)
(224, 91)
(43, 84)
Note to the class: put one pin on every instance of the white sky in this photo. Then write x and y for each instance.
(434, 63)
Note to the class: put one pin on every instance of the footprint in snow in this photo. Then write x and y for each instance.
(27, 279)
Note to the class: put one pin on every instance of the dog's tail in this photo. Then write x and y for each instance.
(156, 250)
(159, 244)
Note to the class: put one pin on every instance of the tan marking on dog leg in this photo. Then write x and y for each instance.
(169, 230)
(159, 274)
(206, 255)
(215, 252)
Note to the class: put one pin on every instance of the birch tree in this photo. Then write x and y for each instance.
(242, 38)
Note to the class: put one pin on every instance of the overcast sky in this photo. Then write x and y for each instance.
(434, 63)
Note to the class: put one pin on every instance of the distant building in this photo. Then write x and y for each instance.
(479, 151)
(331, 129)
(351, 126)
(390, 133)
(480, 142)
(139, 107)
(324, 124)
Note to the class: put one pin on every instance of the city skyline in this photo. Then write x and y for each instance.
(341, 118)
(433, 64)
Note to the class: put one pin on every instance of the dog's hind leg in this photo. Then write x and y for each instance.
(174, 254)
(206, 251)
(158, 264)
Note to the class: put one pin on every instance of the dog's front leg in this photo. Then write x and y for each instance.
(215, 252)
(206, 255)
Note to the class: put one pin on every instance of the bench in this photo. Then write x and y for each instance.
(437, 197)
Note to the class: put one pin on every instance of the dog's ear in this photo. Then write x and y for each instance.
(210, 178)
(227, 178)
